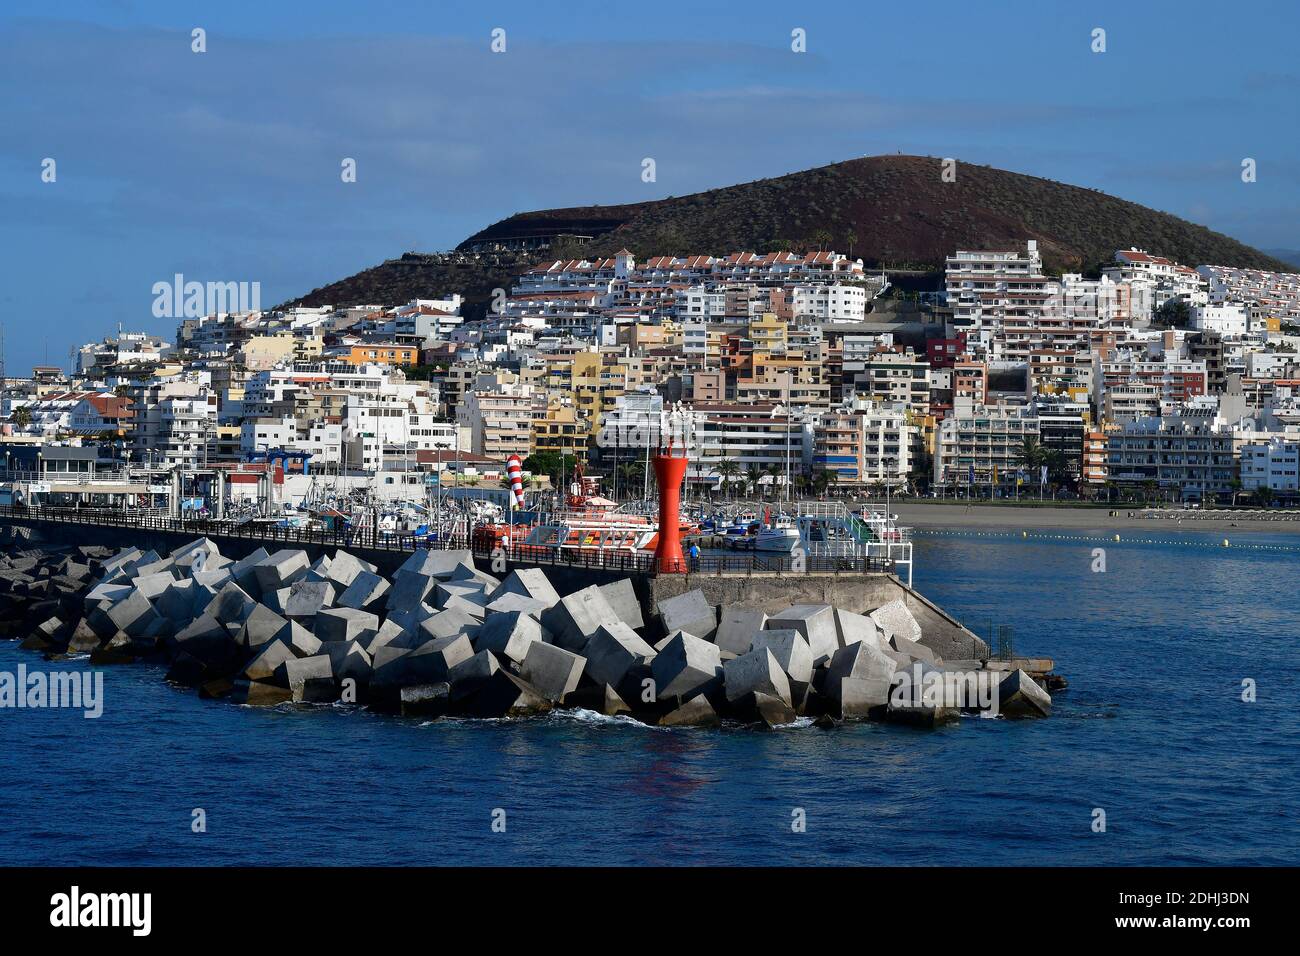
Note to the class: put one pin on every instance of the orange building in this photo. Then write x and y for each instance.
(384, 353)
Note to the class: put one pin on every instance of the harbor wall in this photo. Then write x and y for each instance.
(942, 633)
(857, 592)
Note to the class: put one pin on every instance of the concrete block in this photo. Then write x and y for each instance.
(621, 596)
(268, 661)
(468, 608)
(437, 564)
(737, 626)
(133, 614)
(860, 697)
(508, 603)
(207, 640)
(816, 622)
(213, 580)
(230, 605)
(919, 714)
(913, 650)
(365, 592)
(344, 568)
(345, 624)
(1020, 696)
(260, 627)
(490, 582)
(577, 617)
(757, 672)
(612, 702)
(307, 599)
(851, 628)
(242, 572)
(527, 583)
(300, 640)
(257, 694)
(472, 673)
(152, 585)
(107, 594)
(509, 635)
(895, 619)
(860, 660)
(281, 569)
(300, 669)
(430, 663)
(469, 591)
(425, 700)
(447, 623)
(505, 695)
(690, 612)
(389, 631)
(410, 588)
(791, 651)
(410, 618)
(554, 671)
(685, 667)
(349, 661)
(773, 711)
(613, 650)
(195, 555)
(696, 712)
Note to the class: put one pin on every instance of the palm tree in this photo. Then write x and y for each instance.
(21, 416)
(1236, 486)
(727, 469)
(774, 472)
(852, 240)
(630, 472)
(752, 474)
(821, 481)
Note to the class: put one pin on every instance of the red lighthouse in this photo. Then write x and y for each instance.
(669, 472)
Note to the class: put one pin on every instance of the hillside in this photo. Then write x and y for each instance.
(892, 211)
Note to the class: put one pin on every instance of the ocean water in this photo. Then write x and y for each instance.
(1152, 731)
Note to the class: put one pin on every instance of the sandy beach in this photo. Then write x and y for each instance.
(928, 515)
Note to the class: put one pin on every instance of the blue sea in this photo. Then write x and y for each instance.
(1152, 731)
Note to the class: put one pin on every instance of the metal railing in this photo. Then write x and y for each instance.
(620, 561)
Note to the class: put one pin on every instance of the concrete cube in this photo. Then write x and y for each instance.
(696, 712)
(261, 626)
(307, 599)
(509, 635)
(1019, 695)
(410, 588)
(281, 569)
(851, 628)
(267, 662)
(345, 624)
(816, 622)
(505, 695)
(690, 612)
(365, 591)
(554, 671)
(621, 596)
(791, 651)
(448, 623)
(344, 568)
(684, 667)
(895, 619)
(613, 650)
(230, 605)
(508, 603)
(757, 672)
(576, 617)
(528, 583)
(736, 629)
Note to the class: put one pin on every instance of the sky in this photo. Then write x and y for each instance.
(226, 165)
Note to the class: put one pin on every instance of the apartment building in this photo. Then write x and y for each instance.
(1188, 455)
(1272, 464)
(980, 444)
(866, 443)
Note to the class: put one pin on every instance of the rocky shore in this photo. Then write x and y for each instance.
(441, 638)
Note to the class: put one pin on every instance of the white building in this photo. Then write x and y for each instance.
(1272, 464)
(1230, 319)
(830, 303)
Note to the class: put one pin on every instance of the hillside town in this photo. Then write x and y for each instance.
(796, 374)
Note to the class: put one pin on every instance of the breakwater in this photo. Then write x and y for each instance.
(442, 637)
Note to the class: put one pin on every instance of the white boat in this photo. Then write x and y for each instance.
(781, 536)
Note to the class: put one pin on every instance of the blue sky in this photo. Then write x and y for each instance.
(225, 165)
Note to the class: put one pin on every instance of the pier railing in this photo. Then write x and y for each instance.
(626, 562)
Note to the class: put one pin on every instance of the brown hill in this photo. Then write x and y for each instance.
(892, 211)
